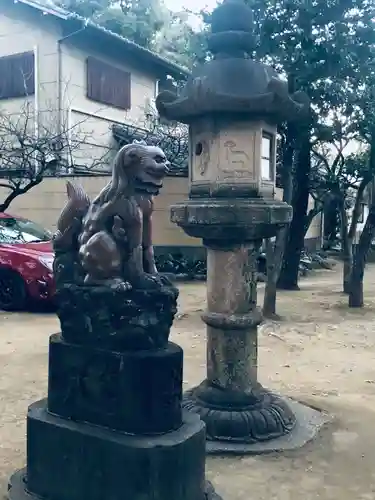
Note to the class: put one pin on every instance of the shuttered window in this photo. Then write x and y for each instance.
(108, 84)
(17, 75)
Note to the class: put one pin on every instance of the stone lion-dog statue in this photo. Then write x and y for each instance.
(110, 238)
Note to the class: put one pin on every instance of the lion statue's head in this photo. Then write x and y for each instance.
(142, 166)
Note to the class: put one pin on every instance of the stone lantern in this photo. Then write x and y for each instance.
(232, 105)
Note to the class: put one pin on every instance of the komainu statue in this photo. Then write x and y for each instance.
(104, 250)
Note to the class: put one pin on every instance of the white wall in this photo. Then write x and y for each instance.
(314, 231)
(360, 225)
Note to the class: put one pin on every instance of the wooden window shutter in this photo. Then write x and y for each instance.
(108, 84)
(17, 75)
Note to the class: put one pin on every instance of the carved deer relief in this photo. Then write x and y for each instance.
(238, 161)
(236, 156)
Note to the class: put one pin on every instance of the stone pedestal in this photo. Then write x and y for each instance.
(134, 392)
(112, 426)
(234, 406)
(72, 461)
(239, 413)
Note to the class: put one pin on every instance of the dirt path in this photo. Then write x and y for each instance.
(320, 353)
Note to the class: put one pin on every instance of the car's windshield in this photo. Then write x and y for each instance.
(22, 231)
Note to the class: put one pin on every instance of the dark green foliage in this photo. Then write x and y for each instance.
(137, 20)
(146, 22)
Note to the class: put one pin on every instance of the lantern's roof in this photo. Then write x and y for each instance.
(232, 82)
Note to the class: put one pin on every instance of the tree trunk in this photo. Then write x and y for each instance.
(356, 290)
(365, 240)
(347, 269)
(331, 221)
(314, 212)
(348, 233)
(274, 255)
(275, 251)
(288, 279)
(359, 263)
(346, 249)
(347, 238)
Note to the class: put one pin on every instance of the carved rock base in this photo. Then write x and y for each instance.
(115, 318)
(76, 461)
(234, 419)
(302, 426)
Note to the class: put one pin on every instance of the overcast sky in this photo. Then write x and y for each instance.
(194, 5)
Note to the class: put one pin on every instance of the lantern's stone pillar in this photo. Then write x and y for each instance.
(231, 323)
(231, 401)
(232, 105)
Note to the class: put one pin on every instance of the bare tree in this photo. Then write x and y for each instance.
(327, 166)
(355, 288)
(28, 153)
(275, 247)
(172, 137)
(339, 180)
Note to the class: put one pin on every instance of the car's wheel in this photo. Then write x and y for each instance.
(12, 291)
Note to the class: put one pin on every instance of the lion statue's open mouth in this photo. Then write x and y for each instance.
(155, 168)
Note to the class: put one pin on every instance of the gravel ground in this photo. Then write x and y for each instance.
(320, 353)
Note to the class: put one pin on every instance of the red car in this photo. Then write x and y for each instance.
(26, 258)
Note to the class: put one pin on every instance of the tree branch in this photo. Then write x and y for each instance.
(17, 192)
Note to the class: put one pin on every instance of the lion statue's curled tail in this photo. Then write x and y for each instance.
(70, 220)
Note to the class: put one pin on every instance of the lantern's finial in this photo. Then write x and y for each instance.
(232, 26)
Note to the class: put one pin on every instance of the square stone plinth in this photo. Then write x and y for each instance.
(77, 461)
